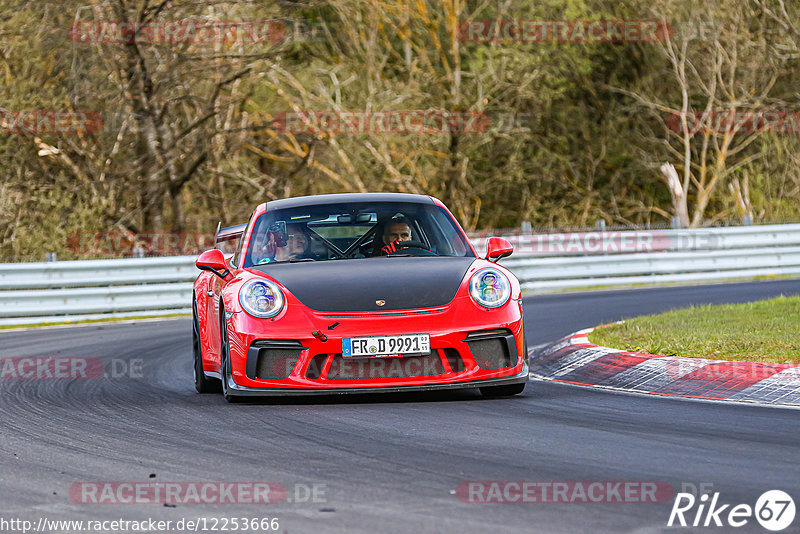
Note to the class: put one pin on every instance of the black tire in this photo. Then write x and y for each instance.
(503, 391)
(202, 383)
(226, 360)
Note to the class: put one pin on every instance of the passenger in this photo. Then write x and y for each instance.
(297, 244)
(264, 246)
(277, 245)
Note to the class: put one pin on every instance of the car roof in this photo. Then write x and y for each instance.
(315, 200)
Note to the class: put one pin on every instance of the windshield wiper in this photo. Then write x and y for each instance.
(298, 260)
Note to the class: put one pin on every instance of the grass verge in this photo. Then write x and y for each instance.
(762, 331)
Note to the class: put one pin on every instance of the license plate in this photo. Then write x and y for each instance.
(365, 347)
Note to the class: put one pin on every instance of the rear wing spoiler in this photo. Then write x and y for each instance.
(228, 234)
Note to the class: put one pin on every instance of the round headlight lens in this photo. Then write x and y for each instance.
(261, 298)
(490, 288)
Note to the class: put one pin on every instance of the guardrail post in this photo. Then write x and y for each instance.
(50, 257)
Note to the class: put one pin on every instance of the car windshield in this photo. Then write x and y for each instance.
(354, 230)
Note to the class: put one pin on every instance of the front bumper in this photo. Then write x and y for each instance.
(470, 348)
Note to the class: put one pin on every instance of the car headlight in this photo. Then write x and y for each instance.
(490, 288)
(261, 298)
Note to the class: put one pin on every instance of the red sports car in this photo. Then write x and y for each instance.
(356, 293)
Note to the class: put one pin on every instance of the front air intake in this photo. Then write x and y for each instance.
(272, 359)
(402, 367)
(454, 359)
(314, 371)
(493, 349)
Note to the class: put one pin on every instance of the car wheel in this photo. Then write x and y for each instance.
(503, 391)
(202, 383)
(225, 355)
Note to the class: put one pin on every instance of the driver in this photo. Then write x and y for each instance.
(394, 232)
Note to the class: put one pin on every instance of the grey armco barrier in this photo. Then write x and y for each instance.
(87, 289)
(548, 262)
(92, 289)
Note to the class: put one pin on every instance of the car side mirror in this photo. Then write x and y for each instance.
(498, 249)
(214, 261)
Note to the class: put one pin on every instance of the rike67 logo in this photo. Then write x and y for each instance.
(774, 510)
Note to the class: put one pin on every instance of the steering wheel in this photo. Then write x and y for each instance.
(417, 245)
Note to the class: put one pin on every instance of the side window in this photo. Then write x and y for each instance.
(237, 253)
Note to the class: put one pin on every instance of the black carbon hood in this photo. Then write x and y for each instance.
(355, 285)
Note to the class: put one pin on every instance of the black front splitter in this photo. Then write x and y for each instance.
(244, 391)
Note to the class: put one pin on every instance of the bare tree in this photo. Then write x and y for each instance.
(720, 75)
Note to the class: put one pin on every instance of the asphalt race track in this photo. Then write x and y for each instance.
(380, 463)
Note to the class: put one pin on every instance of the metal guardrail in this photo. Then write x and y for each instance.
(709, 239)
(549, 262)
(33, 293)
(94, 273)
(78, 290)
